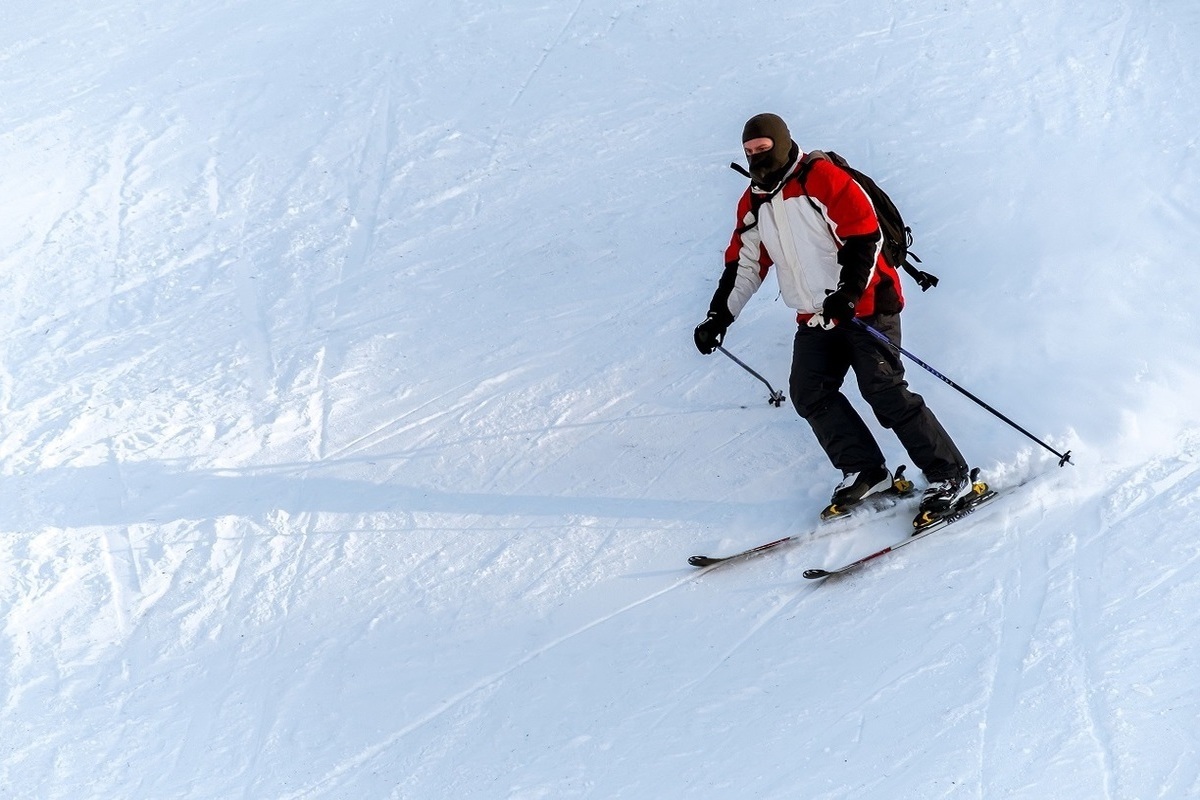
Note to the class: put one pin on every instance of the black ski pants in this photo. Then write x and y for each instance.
(820, 362)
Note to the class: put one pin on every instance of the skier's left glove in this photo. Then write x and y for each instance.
(838, 308)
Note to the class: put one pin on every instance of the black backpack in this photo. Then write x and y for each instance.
(897, 237)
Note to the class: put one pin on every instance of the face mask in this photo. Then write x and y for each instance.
(767, 168)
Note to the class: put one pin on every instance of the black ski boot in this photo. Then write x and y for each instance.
(948, 496)
(859, 486)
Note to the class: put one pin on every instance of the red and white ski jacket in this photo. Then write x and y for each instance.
(820, 233)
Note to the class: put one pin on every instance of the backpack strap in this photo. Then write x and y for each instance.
(926, 280)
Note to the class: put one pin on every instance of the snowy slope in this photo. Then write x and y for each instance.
(352, 440)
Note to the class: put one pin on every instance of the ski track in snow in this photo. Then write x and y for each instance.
(1088, 674)
(689, 690)
(486, 684)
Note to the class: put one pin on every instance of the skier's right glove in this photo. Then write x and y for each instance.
(710, 333)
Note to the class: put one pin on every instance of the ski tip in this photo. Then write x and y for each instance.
(703, 561)
(813, 574)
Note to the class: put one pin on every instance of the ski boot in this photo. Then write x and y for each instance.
(868, 485)
(950, 498)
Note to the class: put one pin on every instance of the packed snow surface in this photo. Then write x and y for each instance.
(353, 443)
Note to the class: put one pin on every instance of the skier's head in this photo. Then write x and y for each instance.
(769, 148)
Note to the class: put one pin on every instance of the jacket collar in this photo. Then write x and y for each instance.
(787, 175)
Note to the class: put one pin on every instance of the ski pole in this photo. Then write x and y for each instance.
(777, 398)
(1063, 458)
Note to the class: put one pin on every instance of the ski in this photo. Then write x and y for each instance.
(709, 561)
(982, 499)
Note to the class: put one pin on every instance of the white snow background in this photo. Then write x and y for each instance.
(353, 442)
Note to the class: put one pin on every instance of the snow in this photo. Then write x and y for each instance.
(352, 441)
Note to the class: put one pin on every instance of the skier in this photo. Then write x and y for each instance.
(816, 226)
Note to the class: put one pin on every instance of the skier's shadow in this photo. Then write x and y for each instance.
(156, 492)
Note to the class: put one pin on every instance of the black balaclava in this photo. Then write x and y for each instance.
(767, 168)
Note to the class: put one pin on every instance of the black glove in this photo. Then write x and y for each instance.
(711, 332)
(838, 307)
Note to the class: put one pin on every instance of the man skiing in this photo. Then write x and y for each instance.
(816, 226)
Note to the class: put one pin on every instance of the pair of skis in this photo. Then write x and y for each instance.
(980, 499)
(981, 495)
(901, 487)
